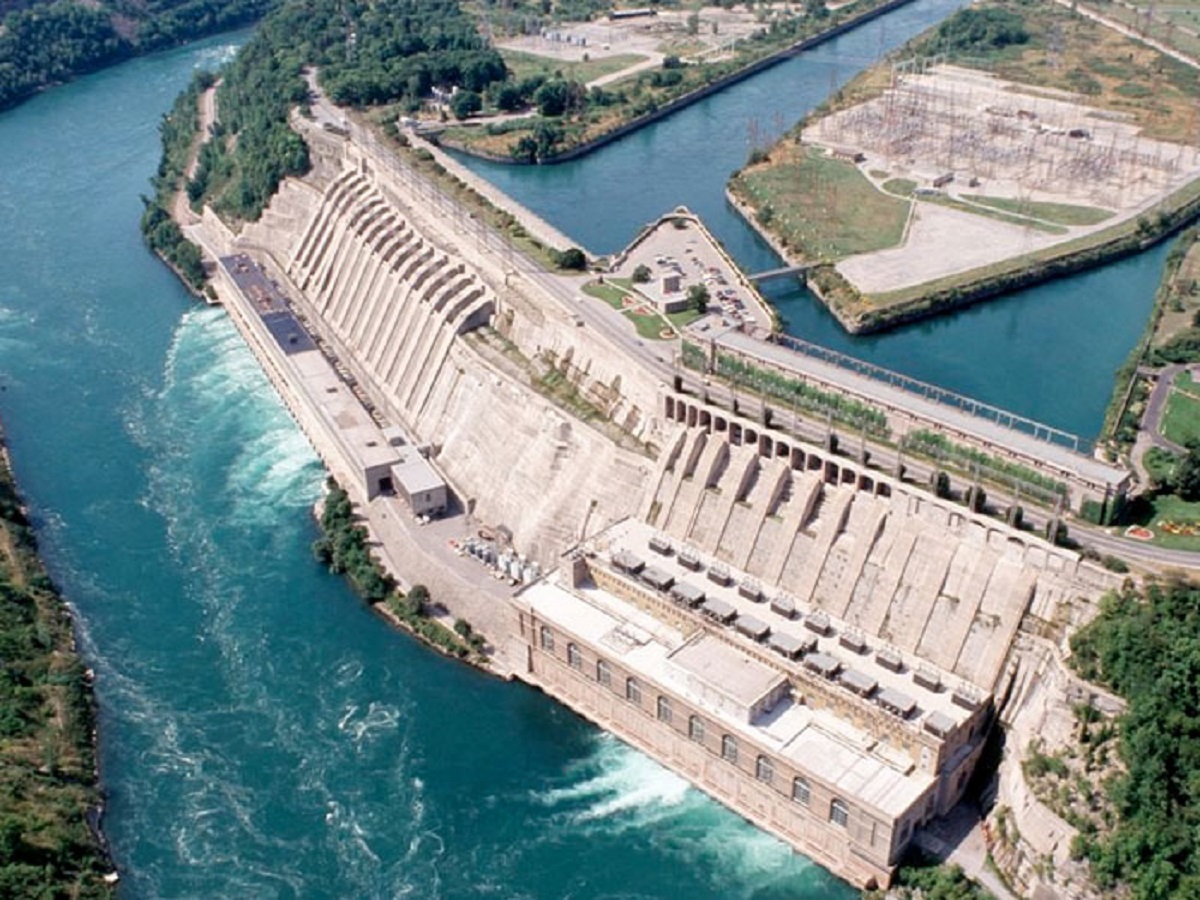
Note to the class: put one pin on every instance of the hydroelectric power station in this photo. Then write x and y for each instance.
(772, 601)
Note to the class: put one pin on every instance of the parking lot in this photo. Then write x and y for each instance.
(681, 247)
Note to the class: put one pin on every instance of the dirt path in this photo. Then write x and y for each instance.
(652, 61)
(181, 211)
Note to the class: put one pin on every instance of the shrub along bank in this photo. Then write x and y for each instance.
(47, 722)
(343, 548)
(177, 130)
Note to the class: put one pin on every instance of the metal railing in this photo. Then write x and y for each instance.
(1004, 418)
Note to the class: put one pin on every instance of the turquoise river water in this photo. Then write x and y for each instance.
(262, 735)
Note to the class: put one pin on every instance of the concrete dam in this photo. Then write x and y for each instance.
(818, 644)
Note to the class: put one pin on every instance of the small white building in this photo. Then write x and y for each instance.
(416, 482)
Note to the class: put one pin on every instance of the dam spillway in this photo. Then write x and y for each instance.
(926, 576)
(392, 298)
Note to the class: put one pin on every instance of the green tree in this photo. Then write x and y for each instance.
(552, 98)
(418, 595)
(1186, 482)
(698, 297)
(572, 258)
(507, 97)
(641, 274)
(465, 104)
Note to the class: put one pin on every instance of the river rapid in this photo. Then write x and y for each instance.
(262, 734)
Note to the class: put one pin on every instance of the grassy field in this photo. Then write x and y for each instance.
(650, 325)
(526, 65)
(1175, 25)
(991, 212)
(1055, 213)
(1181, 420)
(1181, 305)
(821, 208)
(1166, 513)
(901, 187)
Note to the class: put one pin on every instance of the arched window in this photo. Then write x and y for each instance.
(603, 672)
(547, 637)
(664, 710)
(696, 728)
(729, 748)
(574, 660)
(764, 769)
(839, 812)
(800, 791)
(633, 691)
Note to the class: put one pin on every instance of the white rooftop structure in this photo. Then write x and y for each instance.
(892, 670)
(723, 681)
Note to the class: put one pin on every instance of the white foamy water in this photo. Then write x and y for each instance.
(618, 790)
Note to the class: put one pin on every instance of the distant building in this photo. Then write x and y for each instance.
(637, 13)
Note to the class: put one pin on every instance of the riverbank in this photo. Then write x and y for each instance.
(613, 133)
(89, 37)
(52, 804)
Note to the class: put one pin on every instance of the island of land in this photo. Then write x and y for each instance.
(575, 86)
(836, 599)
(1012, 143)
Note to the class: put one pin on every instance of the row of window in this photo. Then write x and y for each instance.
(764, 768)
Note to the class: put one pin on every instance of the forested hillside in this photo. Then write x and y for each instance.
(1146, 647)
(389, 50)
(47, 43)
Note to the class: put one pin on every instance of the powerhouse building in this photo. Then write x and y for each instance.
(839, 744)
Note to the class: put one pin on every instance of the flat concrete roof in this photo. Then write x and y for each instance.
(416, 474)
(633, 536)
(853, 773)
(853, 762)
(723, 668)
(352, 425)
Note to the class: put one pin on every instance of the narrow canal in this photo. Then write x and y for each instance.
(1048, 353)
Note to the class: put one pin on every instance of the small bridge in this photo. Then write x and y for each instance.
(782, 272)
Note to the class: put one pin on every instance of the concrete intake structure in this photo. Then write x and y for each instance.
(818, 645)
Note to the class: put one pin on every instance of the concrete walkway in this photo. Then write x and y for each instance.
(958, 838)
(533, 224)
